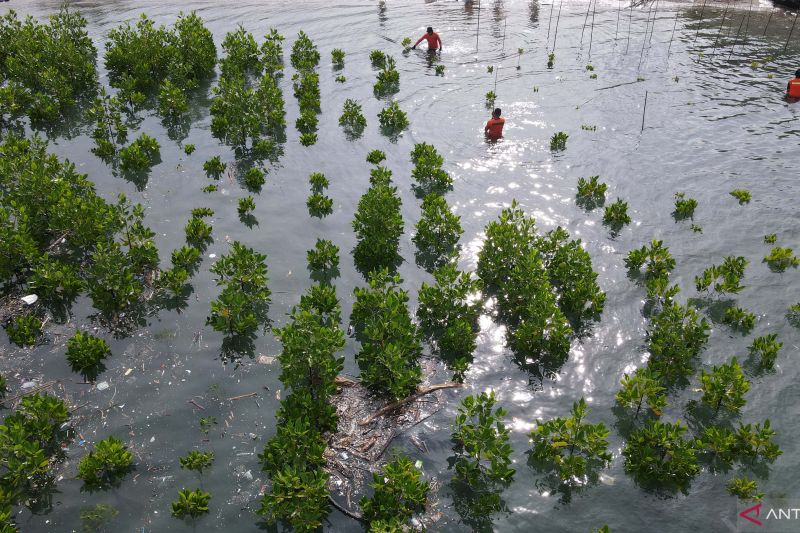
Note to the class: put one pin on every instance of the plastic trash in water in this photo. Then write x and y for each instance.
(30, 299)
(103, 385)
(29, 385)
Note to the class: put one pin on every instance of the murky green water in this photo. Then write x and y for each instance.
(720, 126)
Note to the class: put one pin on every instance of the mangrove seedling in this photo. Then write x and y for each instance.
(439, 70)
(188, 149)
(779, 259)
(695, 228)
(765, 350)
(324, 258)
(352, 119)
(520, 51)
(399, 494)
(657, 454)
(744, 488)
(742, 195)
(726, 278)
(337, 58)
(616, 215)
(308, 139)
(198, 233)
(588, 127)
(298, 497)
(718, 447)
(318, 182)
(85, 354)
(551, 59)
(142, 154)
(490, 98)
(569, 445)
(590, 67)
(684, 207)
(377, 58)
(272, 53)
(172, 101)
(406, 42)
(793, 315)
(319, 205)
(489, 69)
(246, 206)
(675, 338)
(725, 386)
(214, 167)
(23, 330)
(191, 503)
(206, 422)
(642, 388)
(197, 461)
(109, 461)
(393, 119)
(591, 193)
(254, 179)
(480, 442)
(378, 225)
(754, 443)
(388, 79)
(375, 157)
(428, 172)
(739, 319)
(209, 188)
(772, 238)
(558, 142)
(340, 79)
(305, 56)
(438, 231)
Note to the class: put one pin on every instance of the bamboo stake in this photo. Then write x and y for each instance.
(550, 21)
(644, 40)
(585, 20)
(630, 21)
(699, 22)
(724, 14)
(644, 111)
(674, 25)
(558, 19)
(591, 34)
(478, 30)
(768, 19)
(616, 31)
(736, 40)
(790, 34)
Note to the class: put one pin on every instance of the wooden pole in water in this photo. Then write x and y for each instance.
(591, 34)
(585, 20)
(558, 19)
(653, 27)
(616, 31)
(630, 21)
(550, 21)
(674, 25)
(768, 19)
(724, 14)
(644, 110)
(478, 31)
(736, 40)
(790, 34)
(644, 40)
(702, 10)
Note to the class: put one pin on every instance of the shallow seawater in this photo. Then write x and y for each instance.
(712, 123)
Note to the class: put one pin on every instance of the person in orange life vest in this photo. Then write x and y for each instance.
(494, 128)
(434, 42)
(793, 87)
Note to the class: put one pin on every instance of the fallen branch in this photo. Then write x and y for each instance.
(196, 405)
(344, 510)
(420, 393)
(248, 395)
(341, 381)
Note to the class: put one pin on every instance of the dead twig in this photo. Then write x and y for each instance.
(196, 405)
(420, 392)
(248, 395)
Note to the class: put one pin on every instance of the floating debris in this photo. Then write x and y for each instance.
(103, 385)
(30, 299)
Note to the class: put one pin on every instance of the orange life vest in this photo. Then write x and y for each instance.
(794, 88)
(494, 128)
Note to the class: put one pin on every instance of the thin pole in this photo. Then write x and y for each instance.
(653, 27)
(644, 110)
(616, 31)
(505, 26)
(496, 72)
(747, 26)
(558, 18)
(591, 35)
(790, 34)
(768, 19)
(674, 25)
(702, 10)
(550, 19)
(585, 20)
(736, 40)
(724, 14)
(644, 41)
(478, 31)
(630, 21)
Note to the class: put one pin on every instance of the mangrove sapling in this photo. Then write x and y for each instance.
(754, 443)
(109, 461)
(296, 443)
(377, 58)
(24, 330)
(438, 231)
(675, 338)
(197, 461)
(322, 302)
(558, 142)
(684, 207)
(206, 422)
(307, 121)
(378, 225)
(202, 212)
(428, 172)
(744, 488)
(113, 284)
(172, 101)
(656, 259)
(772, 238)
(191, 503)
(717, 447)
(188, 149)
(642, 388)
(298, 496)
(779, 259)
(725, 386)
(142, 154)
(352, 119)
(393, 120)
(570, 446)
(272, 53)
(337, 58)
(725, 278)
(308, 139)
(246, 206)
(399, 493)
(214, 167)
(174, 282)
(318, 182)
(406, 43)
(591, 193)
(209, 188)
(570, 272)
(198, 233)
(765, 350)
(480, 442)
(490, 99)
(520, 51)
(448, 314)
(380, 175)
(110, 131)
(739, 319)
(254, 179)
(305, 56)
(85, 354)
(439, 70)
(489, 69)
(390, 341)
(55, 280)
(616, 215)
(241, 54)
(742, 195)
(340, 79)
(657, 454)
(375, 157)
(551, 59)
(319, 205)
(388, 79)
(323, 260)
(587, 127)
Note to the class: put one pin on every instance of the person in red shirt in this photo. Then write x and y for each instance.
(494, 128)
(793, 87)
(434, 42)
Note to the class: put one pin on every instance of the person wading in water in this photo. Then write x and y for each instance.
(434, 42)
(494, 128)
(793, 87)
